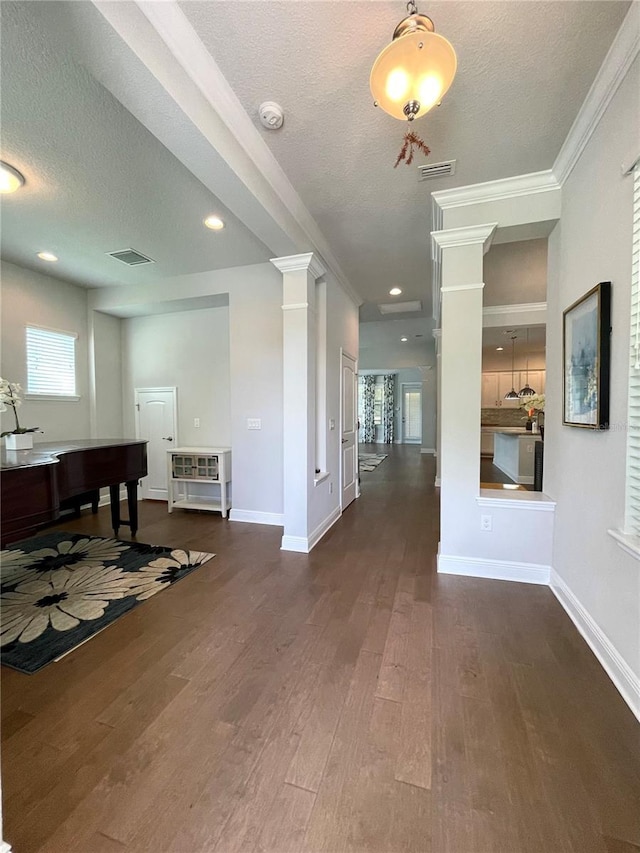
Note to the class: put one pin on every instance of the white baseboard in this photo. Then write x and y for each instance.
(104, 501)
(4, 847)
(304, 544)
(252, 516)
(438, 482)
(500, 570)
(618, 670)
(430, 450)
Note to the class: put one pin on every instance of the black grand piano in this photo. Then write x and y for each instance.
(37, 484)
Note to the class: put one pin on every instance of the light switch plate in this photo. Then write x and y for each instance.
(332, 423)
(254, 423)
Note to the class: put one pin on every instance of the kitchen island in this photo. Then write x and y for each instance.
(514, 454)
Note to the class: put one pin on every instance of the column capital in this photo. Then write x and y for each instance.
(470, 236)
(294, 263)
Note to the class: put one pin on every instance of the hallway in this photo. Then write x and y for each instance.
(346, 700)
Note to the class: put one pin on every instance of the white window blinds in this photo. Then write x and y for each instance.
(51, 362)
(632, 512)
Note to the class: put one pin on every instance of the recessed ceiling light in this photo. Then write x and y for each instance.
(404, 340)
(214, 223)
(10, 178)
(395, 291)
(47, 256)
(499, 349)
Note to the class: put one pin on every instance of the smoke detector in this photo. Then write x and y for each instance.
(271, 115)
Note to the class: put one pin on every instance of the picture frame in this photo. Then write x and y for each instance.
(586, 356)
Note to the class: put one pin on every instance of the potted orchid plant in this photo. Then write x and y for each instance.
(534, 407)
(20, 438)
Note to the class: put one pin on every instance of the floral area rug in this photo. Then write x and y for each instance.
(60, 589)
(370, 461)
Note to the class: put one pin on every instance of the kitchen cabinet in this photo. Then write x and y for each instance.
(498, 383)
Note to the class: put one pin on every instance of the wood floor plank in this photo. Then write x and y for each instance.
(350, 700)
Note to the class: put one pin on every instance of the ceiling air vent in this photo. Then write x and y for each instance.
(400, 307)
(131, 257)
(437, 170)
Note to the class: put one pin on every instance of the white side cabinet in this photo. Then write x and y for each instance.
(189, 469)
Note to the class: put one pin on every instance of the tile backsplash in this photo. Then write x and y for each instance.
(503, 417)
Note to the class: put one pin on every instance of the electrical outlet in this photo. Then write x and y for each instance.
(485, 522)
(332, 423)
(254, 423)
(196, 423)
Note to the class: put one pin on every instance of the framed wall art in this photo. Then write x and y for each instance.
(586, 346)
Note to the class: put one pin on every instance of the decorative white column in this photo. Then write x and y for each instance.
(461, 378)
(299, 274)
(437, 334)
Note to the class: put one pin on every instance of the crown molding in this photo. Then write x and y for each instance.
(517, 308)
(535, 182)
(277, 194)
(622, 53)
(305, 261)
(455, 288)
(469, 236)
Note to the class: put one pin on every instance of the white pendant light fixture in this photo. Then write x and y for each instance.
(513, 394)
(412, 74)
(527, 391)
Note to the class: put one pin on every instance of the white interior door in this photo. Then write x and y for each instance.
(412, 414)
(349, 430)
(156, 422)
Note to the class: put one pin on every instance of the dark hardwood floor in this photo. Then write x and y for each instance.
(348, 700)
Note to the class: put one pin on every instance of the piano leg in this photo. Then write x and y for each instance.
(114, 495)
(132, 500)
(95, 500)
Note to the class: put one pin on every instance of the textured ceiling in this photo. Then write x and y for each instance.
(96, 180)
(524, 70)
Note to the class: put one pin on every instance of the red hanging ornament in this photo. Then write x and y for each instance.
(411, 141)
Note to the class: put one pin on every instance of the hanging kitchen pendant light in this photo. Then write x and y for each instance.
(412, 74)
(513, 394)
(527, 391)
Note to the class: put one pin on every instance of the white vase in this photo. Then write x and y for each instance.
(19, 441)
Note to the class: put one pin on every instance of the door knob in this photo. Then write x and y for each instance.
(167, 438)
(345, 440)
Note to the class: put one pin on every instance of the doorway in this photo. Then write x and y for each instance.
(156, 423)
(349, 430)
(411, 413)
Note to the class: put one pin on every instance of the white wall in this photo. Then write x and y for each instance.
(515, 273)
(585, 470)
(342, 332)
(188, 350)
(33, 298)
(107, 363)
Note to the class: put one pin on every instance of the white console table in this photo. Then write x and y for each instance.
(188, 465)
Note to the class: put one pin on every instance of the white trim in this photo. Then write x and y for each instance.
(627, 541)
(623, 51)
(321, 477)
(624, 678)
(305, 261)
(501, 570)
(295, 306)
(65, 332)
(299, 544)
(437, 482)
(429, 450)
(54, 398)
(530, 501)
(324, 526)
(4, 847)
(469, 235)
(252, 516)
(629, 165)
(105, 500)
(503, 188)
(516, 308)
(454, 288)
(302, 544)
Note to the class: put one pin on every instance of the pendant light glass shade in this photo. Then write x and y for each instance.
(412, 74)
(527, 391)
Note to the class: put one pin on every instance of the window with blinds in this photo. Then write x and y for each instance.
(51, 363)
(632, 506)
